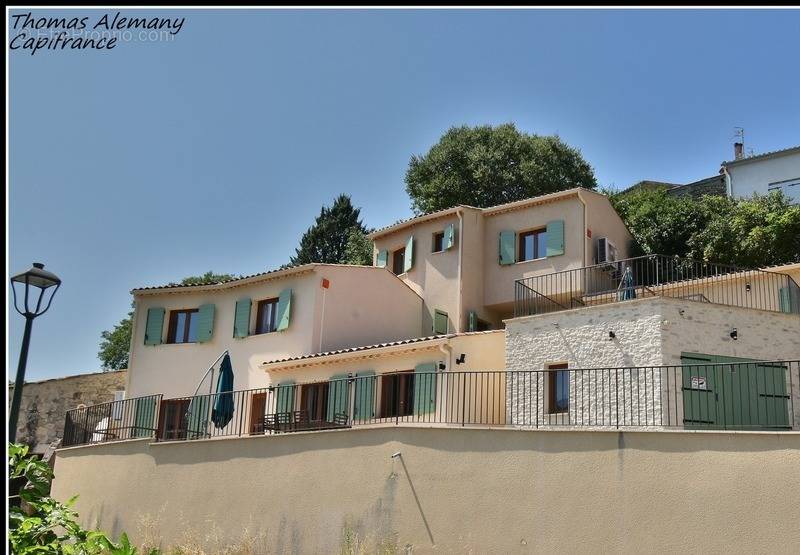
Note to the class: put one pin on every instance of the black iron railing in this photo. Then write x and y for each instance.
(656, 276)
(724, 396)
(113, 421)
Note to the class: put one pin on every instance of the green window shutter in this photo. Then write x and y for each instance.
(508, 240)
(338, 396)
(154, 327)
(285, 396)
(381, 260)
(784, 300)
(197, 417)
(364, 395)
(284, 310)
(425, 388)
(473, 321)
(144, 417)
(241, 318)
(449, 236)
(440, 322)
(408, 258)
(205, 323)
(555, 238)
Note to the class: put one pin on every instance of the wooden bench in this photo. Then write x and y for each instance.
(297, 421)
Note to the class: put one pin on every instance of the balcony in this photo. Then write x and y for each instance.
(734, 396)
(656, 276)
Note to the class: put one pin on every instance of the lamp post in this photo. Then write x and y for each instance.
(38, 278)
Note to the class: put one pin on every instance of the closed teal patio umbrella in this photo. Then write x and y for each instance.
(223, 406)
(628, 290)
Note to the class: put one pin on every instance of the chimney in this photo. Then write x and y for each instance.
(738, 151)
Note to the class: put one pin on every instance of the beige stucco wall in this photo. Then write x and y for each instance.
(498, 279)
(356, 306)
(603, 221)
(434, 275)
(45, 403)
(451, 491)
(486, 287)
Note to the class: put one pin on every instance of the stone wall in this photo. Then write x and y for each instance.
(45, 403)
(648, 332)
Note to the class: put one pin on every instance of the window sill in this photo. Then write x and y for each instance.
(184, 343)
(445, 251)
(529, 261)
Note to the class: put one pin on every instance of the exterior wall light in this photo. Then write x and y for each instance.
(734, 334)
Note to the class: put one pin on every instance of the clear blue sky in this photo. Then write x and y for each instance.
(158, 160)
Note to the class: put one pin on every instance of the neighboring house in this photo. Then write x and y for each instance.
(463, 261)
(44, 403)
(763, 173)
(714, 185)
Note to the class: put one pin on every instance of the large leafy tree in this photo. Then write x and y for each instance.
(115, 343)
(326, 241)
(489, 165)
(755, 232)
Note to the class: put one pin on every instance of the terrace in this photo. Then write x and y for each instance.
(656, 276)
(733, 396)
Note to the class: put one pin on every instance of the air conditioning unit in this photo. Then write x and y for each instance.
(606, 251)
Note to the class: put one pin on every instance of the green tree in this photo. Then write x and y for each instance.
(326, 241)
(751, 232)
(358, 249)
(115, 344)
(756, 232)
(489, 165)
(660, 223)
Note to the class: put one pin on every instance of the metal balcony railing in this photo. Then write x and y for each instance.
(729, 396)
(656, 276)
(117, 420)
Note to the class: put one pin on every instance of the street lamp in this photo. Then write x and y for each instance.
(38, 278)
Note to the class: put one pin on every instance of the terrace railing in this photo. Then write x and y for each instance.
(656, 275)
(113, 421)
(725, 396)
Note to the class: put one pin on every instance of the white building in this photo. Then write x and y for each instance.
(763, 173)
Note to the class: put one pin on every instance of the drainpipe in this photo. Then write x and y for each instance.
(460, 213)
(584, 238)
(728, 181)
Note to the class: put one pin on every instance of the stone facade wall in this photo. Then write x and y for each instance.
(581, 339)
(45, 403)
(647, 332)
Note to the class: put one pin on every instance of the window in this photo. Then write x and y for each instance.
(438, 242)
(532, 245)
(182, 326)
(483, 325)
(440, 322)
(789, 188)
(265, 316)
(397, 394)
(557, 388)
(398, 260)
(172, 418)
(314, 400)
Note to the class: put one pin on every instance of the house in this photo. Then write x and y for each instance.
(463, 261)
(494, 363)
(179, 331)
(778, 170)
(714, 185)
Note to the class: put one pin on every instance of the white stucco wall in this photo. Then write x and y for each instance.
(755, 176)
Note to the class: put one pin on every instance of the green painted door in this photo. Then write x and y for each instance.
(748, 395)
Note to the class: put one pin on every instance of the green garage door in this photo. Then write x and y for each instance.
(746, 395)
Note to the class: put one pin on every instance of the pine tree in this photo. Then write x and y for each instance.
(326, 240)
